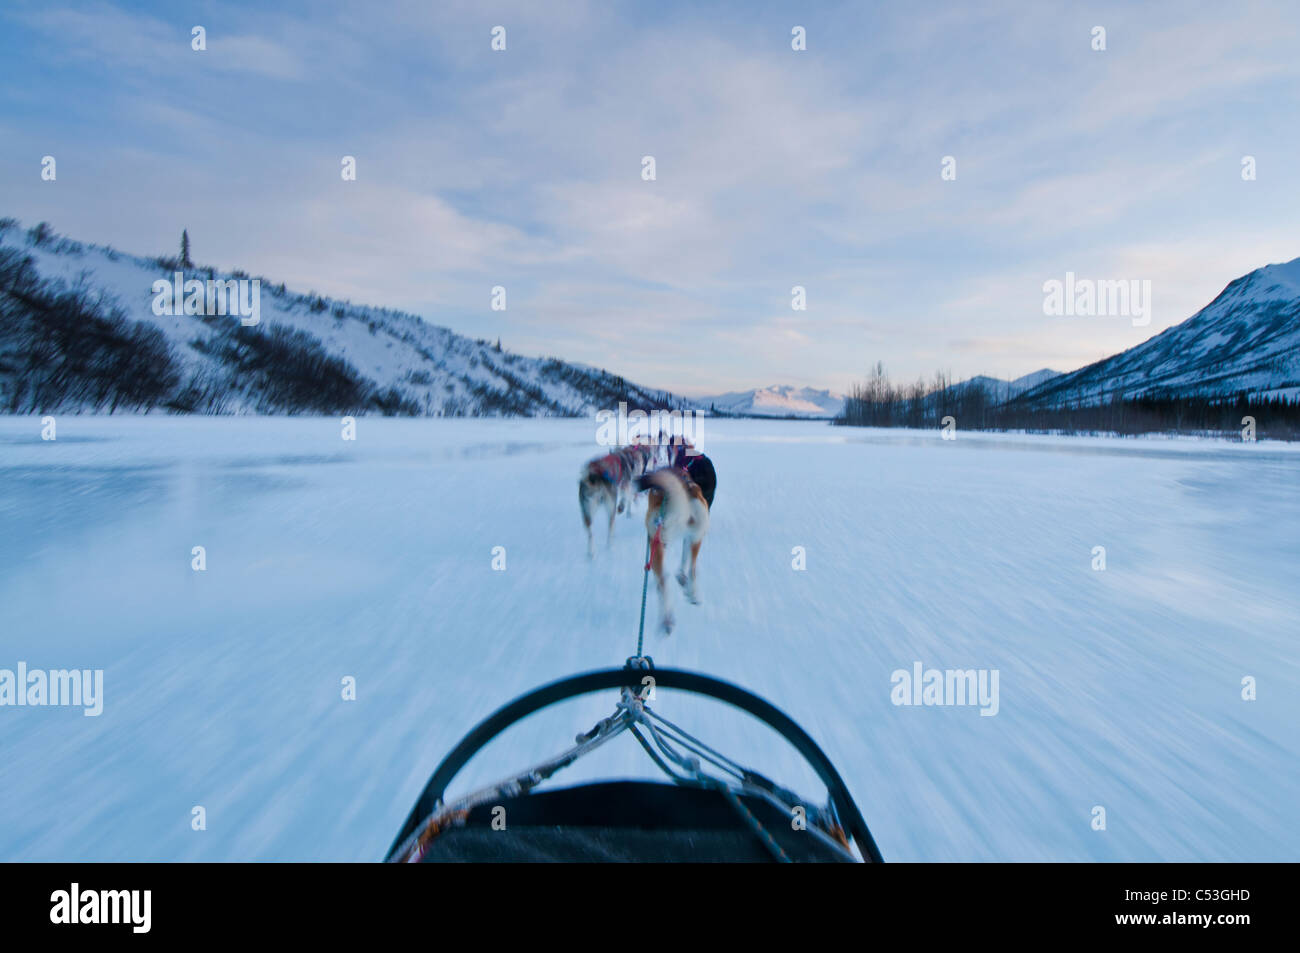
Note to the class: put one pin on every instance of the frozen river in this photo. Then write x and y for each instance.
(326, 559)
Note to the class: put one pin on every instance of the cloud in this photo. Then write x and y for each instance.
(774, 169)
(146, 45)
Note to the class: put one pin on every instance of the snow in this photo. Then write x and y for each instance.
(1285, 275)
(372, 559)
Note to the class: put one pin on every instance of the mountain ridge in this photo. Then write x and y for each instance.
(1246, 340)
(308, 353)
(80, 330)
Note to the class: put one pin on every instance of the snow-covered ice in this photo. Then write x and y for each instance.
(373, 559)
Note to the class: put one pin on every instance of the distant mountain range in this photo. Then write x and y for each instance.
(81, 331)
(775, 402)
(1000, 391)
(1244, 342)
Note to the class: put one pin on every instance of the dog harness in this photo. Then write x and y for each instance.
(611, 467)
(657, 540)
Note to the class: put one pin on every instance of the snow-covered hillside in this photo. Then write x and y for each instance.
(1245, 340)
(307, 352)
(776, 402)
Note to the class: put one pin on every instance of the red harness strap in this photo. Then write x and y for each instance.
(611, 467)
(656, 544)
(657, 540)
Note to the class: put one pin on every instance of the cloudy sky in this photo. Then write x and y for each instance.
(774, 168)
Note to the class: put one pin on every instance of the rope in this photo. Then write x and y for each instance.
(738, 773)
(701, 748)
(645, 583)
(663, 765)
(691, 765)
(768, 841)
(521, 783)
(645, 580)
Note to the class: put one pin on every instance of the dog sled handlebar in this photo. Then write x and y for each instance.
(431, 797)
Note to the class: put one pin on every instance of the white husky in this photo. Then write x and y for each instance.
(677, 512)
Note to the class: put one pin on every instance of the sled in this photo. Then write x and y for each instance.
(710, 809)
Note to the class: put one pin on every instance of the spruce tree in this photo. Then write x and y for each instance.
(185, 249)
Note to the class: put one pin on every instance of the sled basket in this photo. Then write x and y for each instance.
(721, 813)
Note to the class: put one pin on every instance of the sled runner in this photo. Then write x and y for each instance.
(712, 809)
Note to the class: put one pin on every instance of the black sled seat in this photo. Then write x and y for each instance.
(625, 822)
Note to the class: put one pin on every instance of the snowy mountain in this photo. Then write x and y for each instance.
(1030, 381)
(79, 332)
(1245, 340)
(1000, 391)
(776, 402)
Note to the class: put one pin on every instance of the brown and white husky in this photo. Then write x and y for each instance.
(677, 513)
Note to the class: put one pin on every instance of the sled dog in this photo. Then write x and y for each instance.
(677, 512)
(608, 482)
